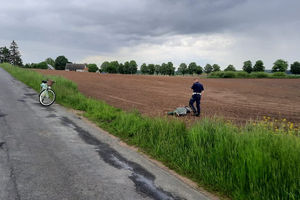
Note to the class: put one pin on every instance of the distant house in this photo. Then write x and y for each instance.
(75, 67)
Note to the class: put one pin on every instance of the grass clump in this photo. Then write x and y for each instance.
(250, 162)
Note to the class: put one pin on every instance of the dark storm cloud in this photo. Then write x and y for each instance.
(103, 26)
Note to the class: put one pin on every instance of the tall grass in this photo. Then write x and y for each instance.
(250, 162)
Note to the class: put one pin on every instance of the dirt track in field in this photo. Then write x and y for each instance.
(235, 99)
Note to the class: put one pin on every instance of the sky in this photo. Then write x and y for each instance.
(154, 31)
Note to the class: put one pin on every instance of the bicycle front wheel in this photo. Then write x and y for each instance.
(47, 97)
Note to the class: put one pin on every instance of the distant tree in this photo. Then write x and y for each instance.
(27, 65)
(259, 66)
(199, 70)
(248, 66)
(208, 68)
(183, 69)
(121, 69)
(144, 69)
(126, 68)
(60, 63)
(15, 56)
(133, 67)
(50, 61)
(163, 69)
(192, 68)
(295, 68)
(41, 65)
(280, 66)
(157, 69)
(151, 68)
(104, 66)
(230, 68)
(170, 69)
(92, 67)
(113, 67)
(216, 68)
(4, 55)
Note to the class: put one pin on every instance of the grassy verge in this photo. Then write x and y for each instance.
(251, 162)
(241, 74)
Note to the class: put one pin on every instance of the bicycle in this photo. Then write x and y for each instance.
(47, 95)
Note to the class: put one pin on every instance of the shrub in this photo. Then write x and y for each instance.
(279, 74)
(218, 74)
(242, 75)
(229, 74)
(92, 67)
(259, 75)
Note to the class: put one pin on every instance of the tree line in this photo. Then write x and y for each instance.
(11, 55)
(279, 65)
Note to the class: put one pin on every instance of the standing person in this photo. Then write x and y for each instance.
(196, 97)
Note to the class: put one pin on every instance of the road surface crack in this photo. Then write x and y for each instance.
(143, 180)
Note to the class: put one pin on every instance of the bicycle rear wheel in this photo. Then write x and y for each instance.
(47, 97)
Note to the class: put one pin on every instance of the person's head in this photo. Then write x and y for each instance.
(196, 80)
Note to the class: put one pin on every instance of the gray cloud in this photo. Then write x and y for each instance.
(96, 26)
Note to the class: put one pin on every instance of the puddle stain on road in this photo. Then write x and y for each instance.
(143, 180)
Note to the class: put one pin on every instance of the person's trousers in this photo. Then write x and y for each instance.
(195, 98)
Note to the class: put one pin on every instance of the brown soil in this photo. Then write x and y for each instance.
(234, 99)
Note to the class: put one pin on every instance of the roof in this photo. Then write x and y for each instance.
(74, 67)
(50, 67)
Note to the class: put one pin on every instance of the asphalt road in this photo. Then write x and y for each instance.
(53, 154)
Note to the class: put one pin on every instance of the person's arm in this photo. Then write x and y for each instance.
(193, 86)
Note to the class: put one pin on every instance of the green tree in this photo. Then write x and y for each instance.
(208, 68)
(60, 63)
(126, 68)
(280, 66)
(199, 70)
(163, 69)
(41, 65)
(259, 66)
(183, 69)
(295, 68)
(50, 61)
(170, 70)
(230, 68)
(151, 68)
(113, 67)
(121, 69)
(104, 66)
(15, 56)
(157, 69)
(192, 68)
(27, 65)
(4, 55)
(216, 68)
(92, 67)
(144, 69)
(248, 66)
(132, 67)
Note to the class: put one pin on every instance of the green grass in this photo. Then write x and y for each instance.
(250, 162)
(241, 74)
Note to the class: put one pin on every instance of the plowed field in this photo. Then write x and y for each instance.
(234, 99)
